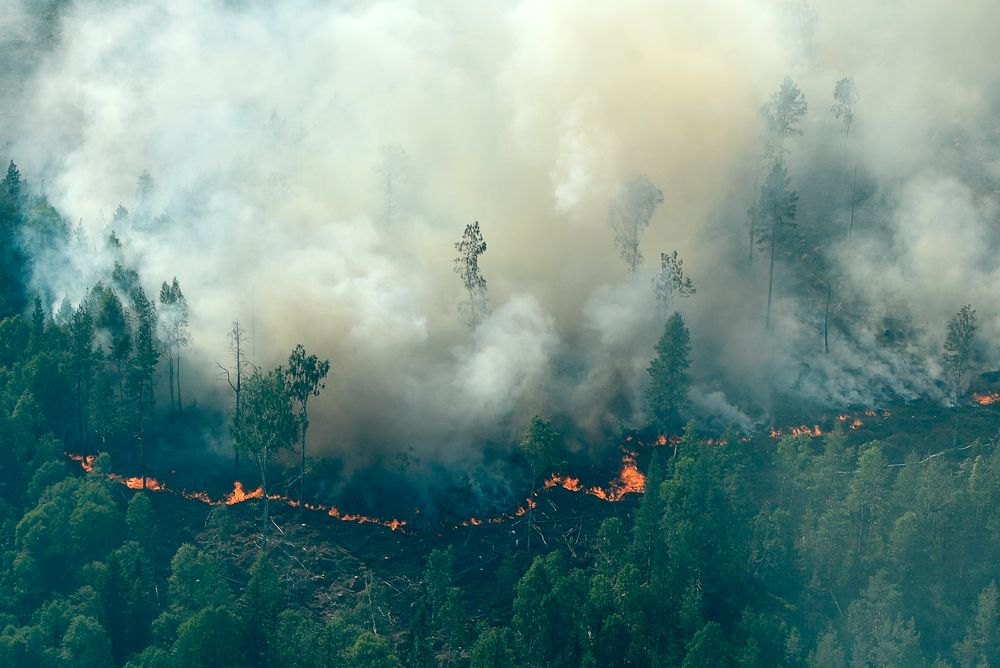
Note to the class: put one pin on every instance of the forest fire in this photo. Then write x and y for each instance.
(803, 430)
(238, 495)
(86, 461)
(986, 399)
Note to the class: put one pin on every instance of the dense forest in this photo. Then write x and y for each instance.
(800, 549)
(372, 336)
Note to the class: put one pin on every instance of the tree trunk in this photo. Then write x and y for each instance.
(850, 227)
(302, 435)
(178, 377)
(826, 319)
(267, 501)
(170, 375)
(770, 276)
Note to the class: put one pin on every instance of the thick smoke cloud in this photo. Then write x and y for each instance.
(263, 125)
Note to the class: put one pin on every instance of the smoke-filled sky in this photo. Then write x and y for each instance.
(268, 129)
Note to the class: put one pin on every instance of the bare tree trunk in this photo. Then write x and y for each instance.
(826, 318)
(302, 435)
(850, 227)
(770, 276)
(262, 461)
(178, 377)
(170, 375)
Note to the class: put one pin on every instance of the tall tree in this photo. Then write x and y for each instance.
(473, 308)
(267, 426)
(845, 95)
(82, 361)
(13, 263)
(539, 448)
(629, 214)
(666, 397)
(174, 327)
(305, 380)
(776, 211)
(671, 282)
(142, 372)
(111, 317)
(235, 376)
(958, 349)
(781, 116)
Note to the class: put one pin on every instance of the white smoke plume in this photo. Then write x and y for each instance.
(263, 126)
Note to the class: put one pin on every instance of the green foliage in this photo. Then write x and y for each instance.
(493, 649)
(470, 247)
(209, 638)
(140, 519)
(958, 349)
(629, 214)
(666, 397)
(260, 605)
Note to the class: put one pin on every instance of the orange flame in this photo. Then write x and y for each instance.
(86, 461)
(238, 495)
(986, 399)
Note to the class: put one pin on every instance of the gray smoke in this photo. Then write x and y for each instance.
(265, 129)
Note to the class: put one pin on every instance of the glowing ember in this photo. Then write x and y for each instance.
(857, 424)
(986, 399)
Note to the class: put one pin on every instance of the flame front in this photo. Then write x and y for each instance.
(238, 495)
(986, 399)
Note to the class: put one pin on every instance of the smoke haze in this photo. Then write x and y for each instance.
(265, 127)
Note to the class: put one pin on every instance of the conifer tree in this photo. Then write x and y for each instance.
(666, 397)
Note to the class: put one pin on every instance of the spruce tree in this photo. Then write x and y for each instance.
(666, 397)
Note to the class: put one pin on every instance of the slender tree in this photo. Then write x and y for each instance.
(629, 214)
(13, 262)
(235, 376)
(671, 282)
(776, 211)
(141, 372)
(958, 349)
(845, 95)
(82, 360)
(174, 329)
(267, 426)
(473, 308)
(781, 116)
(305, 374)
(538, 447)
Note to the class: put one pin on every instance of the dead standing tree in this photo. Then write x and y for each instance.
(235, 377)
